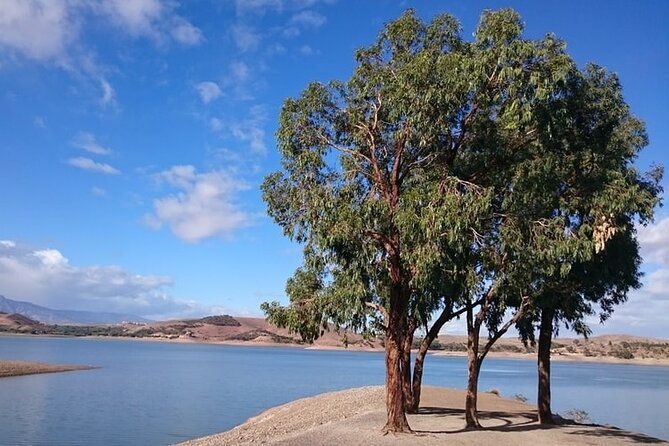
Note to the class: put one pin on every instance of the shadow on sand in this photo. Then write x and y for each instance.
(520, 421)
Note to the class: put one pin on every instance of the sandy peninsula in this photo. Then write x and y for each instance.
(17, 368)
(355, 417)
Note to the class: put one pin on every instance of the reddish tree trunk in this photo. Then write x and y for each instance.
(397, 421)
(544, 366)
(395, 331)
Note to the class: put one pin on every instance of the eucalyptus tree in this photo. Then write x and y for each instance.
(603, 139)
(357, 158)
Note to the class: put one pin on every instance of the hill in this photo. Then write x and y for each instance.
(221, 328)
(51, 316)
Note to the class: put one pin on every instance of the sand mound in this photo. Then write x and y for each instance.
(355, 417)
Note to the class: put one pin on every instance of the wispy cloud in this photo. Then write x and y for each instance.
(309, 19)
(90, 165)
(245, 37)
(150, 18)
(204, 204)
(208, 91)
(51, 31)
(215, 124)
(239, 71)
(86, 141)
(98, 191)
(251, 130)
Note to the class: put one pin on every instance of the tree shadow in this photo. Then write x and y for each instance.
(510, 420)
(595, 430)
(521, 421)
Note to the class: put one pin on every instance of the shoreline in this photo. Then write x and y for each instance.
(356, 416)
(577, 358)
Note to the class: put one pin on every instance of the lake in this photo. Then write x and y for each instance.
(156, 393)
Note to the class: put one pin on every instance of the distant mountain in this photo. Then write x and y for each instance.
(49, 316)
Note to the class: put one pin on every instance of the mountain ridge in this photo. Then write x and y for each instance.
(77, 317)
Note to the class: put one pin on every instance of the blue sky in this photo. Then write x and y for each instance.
(134, 136)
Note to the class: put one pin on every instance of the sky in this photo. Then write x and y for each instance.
(134, 136)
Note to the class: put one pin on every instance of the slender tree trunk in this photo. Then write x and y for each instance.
(418, 374)
(445, 316)
(544, 366)
(406, 369)
(473, 368)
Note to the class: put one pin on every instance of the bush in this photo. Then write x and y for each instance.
(578, 415)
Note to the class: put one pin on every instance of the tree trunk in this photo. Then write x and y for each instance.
(406, 369)
(395, 331)
(446, 315)
(544, 366)
(418, 374)
(473, 368)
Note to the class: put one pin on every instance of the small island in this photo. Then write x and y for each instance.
(18, 368)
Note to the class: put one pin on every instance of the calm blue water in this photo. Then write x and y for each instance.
(148, 393)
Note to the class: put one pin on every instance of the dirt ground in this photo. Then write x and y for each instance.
(356, 416)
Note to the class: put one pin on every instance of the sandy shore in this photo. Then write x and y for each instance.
(17, 368)
(355, 417)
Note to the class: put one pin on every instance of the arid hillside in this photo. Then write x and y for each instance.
(222, 328)
(257, 331)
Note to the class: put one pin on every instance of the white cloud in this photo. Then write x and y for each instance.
(150, 18)
(239, 71)
(654, 241)
(86, 141)
(138, 17)
(98, 191)
(246, 38)
(89, 164)
(53, 32)
(208, 91)
(7, 243)
(39, 122)
(185, 33)
(251, 130)
(310, 19)
(46, 277)
(645, 311)
(38, 29)
(306, 50)
(215, 124)
(51, 258)
(108, 93)
(203, 206)
(257, 6)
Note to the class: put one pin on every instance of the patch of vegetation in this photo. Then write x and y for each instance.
(578, 415)
(519, 397)
(221, 320)
(254, 334)
(494, 391)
